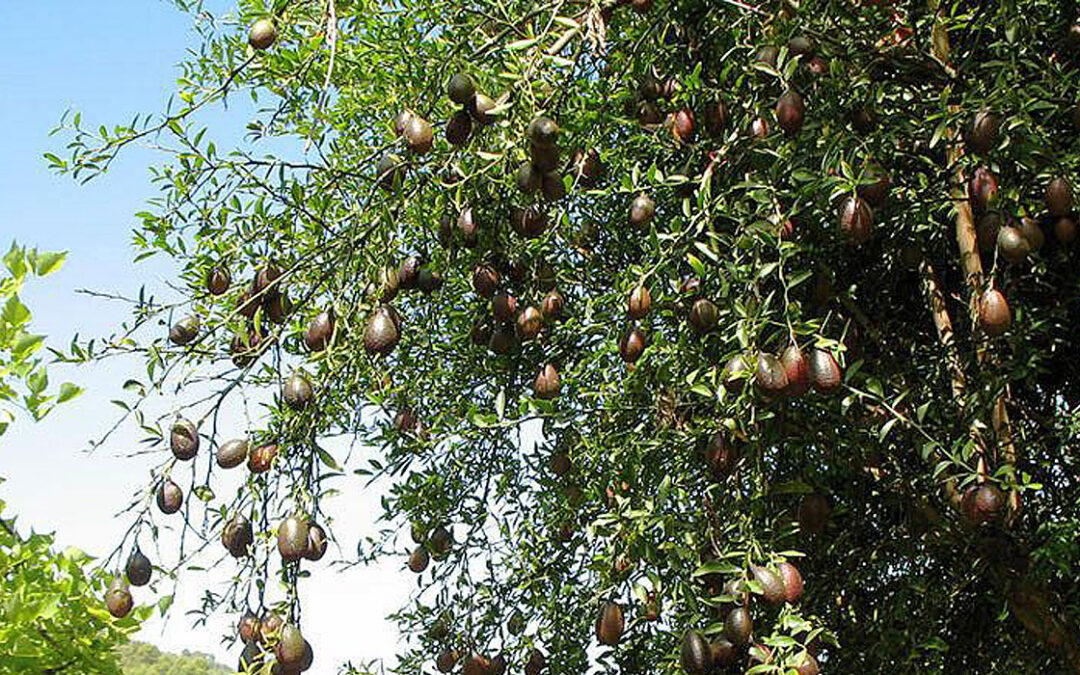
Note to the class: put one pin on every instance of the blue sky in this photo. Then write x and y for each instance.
(111, 60)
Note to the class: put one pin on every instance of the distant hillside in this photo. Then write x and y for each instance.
(140, 658)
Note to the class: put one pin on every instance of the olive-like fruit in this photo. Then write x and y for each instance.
(169, 497)
(292, 538)
(640, 302)
(547, 383)
(984, 132)
(184, 439)
(138, 568)
(291, 646)
(793, 582)
(642, 210)
(632, 345)
(185, 331)
(237, 536)
(218, 281)
(419, 135)
(461, 89)
(543, 131)
(382, 333)
(994, 314)
(419, 559)
(459, 128)
(298, 392)
(232, 453)
(262, 458)
(610, 624)
(695, 655)
(485, 281)
(790, 112)
(118, 598)
(321, 331)
(856, 220)
(704, 315)
(738, 626)
(825, 372)
(1059, 197)
(262, 34)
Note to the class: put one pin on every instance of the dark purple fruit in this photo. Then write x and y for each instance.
(381, 334)
(1029, 227)
(856, 220)
(290, 646)
(721, 455)
(863, 119)
(184, 331)
(640, 302)
(537, 662)
(218, 281)
(982, 190)
(321, 331)
(648, 114)
(642, 209)
(695, 655)
(292, 537)
(989, 503)
(529, 323)
(790, 112)
(770, 377)
(476, 664)
(704, 315)
(184, 439)
(528, 178)
(1012, 243)
(984, 132)
(237, 536)
(683, 125)
(317, 543)
(458, 128)
(543, 132)
(298, 392)
(270, 627)
(552, 305)
(419, 560)
(825, 372)
(738, 626)
(1059, 197)
(552, 187)
(118, 598)
(610, 624)
(544, 157)
(793, 582)
(262, 34)
(1065, 230)
(504, 306)
(262, 458)
(502, 339)
(797, 371)
(169, 497)
(390, 171)
(441, 542)
(138, 568)
(497, 666)
(632, 345)
(528, 222)
(772, 586)
(736, 372)
(418, 135)
(547, 383)
(724, 654)
(248, 628)
(232, 453)
(877, 192)
(461, 89)
(446, 660)
(994, 314)
(469, 226)
(587, 167)
(485, 281)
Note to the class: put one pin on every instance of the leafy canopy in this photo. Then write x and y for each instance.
(459, 295)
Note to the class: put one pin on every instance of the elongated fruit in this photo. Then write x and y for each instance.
(824, 371)
(292, 538)
(381, 334)
(118, 598)
(138, 568)
(994, 314)
(610, 624)
(184, 439)
(695, 655)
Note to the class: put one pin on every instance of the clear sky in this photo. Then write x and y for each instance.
(111, 60)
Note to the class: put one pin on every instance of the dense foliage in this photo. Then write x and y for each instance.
(539, 308)
(140, 658)
(51, 617)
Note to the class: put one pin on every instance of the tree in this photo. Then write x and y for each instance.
(51, 617)
(139, 658)
(665, 306)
